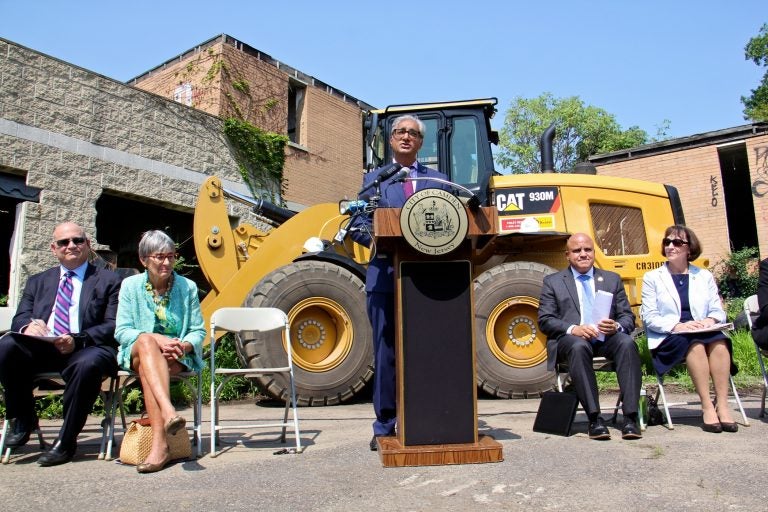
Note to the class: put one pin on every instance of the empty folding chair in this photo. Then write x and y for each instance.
(259, 320)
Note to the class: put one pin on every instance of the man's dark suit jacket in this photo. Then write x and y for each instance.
(380, 276)
(760, 325)
(559, 306)
(98, 304)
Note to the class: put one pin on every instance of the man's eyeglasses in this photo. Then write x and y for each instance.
(64, 242)
(674, 241)
(399, 133)
(162, 257)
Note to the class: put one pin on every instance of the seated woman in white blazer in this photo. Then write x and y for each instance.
(679, 297)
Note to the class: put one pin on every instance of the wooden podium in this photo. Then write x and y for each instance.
(435, 347)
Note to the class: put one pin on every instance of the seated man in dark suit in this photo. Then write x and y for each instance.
(74, 304)
(565, 316)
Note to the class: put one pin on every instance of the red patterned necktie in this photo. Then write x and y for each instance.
(408, 186)
(63, 302)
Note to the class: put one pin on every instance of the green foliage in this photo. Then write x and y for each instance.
(260, 155)
(756, 50)
(242, 86)
(581, 130)
(3, 300)
(217, 67)
(737, 274)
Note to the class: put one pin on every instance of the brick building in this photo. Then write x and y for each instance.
(227, 78)
(76, 145)
(722, 177)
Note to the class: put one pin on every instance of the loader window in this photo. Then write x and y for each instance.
(428, 152)
(619, 230)
(464, 168)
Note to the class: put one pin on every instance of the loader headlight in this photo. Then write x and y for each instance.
(314, 244)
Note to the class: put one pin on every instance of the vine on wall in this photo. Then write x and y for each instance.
(260, 156)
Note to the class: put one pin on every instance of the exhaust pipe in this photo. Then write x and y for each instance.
(547, 160)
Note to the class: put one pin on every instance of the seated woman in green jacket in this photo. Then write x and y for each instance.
(160, 330)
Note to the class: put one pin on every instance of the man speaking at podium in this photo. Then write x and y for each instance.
(405, 139)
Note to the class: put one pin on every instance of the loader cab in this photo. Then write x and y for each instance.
(457, 140)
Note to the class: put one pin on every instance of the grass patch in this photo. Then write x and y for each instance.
(744, 355)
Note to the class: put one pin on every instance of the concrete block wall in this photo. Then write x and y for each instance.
(75, 134)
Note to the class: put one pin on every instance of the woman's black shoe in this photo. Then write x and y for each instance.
(714, 428)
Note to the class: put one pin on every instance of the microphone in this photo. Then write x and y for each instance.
(473, 203)
(401, 175)
(387, 172)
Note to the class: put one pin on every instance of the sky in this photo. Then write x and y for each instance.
(644, 62)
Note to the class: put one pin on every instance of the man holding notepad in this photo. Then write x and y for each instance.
(585, 313)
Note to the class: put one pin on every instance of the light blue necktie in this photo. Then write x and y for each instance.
(587, 298)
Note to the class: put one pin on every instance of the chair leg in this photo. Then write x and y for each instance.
(660, 393)
(738, 402)
(615, 416)
(3, 433)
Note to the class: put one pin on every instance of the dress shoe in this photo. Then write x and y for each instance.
(598, 430)
(630, 430)
(174, 425)
(714, 428)
(58, 454)
(146, 467)
(19, 434)
(729, 427)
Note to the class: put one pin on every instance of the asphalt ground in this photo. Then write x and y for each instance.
(680, 469)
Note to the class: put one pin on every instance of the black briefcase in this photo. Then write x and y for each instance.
(556, 413)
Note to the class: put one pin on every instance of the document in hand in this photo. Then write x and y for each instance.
(717, 327)
(601, 309)
(49, 339)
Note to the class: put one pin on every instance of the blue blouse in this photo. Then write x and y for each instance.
(136, 315)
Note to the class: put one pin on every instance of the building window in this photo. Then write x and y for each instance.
(183, 94)
(619, 230)
(296, 93)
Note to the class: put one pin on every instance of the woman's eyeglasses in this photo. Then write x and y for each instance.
(674, 241)
(162, 257)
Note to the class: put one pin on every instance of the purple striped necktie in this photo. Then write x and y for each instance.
(63, 302)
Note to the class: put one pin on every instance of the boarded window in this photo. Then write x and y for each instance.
(619, 230)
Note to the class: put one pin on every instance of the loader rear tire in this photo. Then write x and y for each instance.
(511, 350)
(330, 333)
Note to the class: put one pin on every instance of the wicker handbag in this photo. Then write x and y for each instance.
(137, 442)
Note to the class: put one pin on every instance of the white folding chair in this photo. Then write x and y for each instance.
(55, 377)
(239, 320)
(752, 311)
(126, 378)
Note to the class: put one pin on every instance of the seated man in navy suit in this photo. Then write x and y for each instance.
(74, 305)
(406, 138)
(573, 337)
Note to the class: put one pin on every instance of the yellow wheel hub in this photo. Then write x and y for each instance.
(321, 333)
(513, 335)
